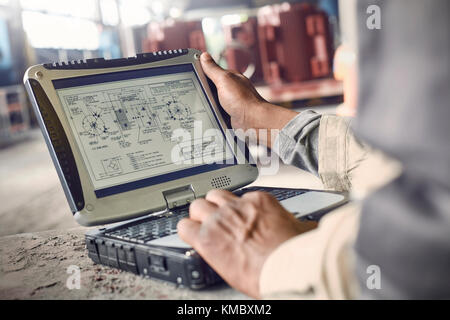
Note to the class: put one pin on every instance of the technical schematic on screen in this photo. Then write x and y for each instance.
(125, 128)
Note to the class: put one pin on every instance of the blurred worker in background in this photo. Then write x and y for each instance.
(393, 240)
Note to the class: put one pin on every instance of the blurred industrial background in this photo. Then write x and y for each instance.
(287, 49)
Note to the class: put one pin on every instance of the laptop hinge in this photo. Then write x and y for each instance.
(179, 196)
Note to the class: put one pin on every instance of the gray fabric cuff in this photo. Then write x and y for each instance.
(297, 142)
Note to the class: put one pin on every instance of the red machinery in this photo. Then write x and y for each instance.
(14, 115)
(295, 43)
(170, 35)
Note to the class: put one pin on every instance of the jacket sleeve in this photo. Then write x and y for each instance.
(326, 146)
(319, 264)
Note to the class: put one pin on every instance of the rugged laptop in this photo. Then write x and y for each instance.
(134, 141)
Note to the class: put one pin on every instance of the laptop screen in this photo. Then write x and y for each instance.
(143, 127)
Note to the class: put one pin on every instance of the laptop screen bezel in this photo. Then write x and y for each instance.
(144, 73)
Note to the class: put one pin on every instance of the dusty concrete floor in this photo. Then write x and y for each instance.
(34, 266)
(31, 197)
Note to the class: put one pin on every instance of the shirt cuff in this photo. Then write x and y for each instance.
(336, 145)
(297, 143)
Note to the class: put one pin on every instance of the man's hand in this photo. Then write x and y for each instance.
(236, 235)
(239, 98)
(236, 93)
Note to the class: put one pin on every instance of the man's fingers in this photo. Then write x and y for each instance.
(201, 209)
(188, 230)
(210, 67)
(220, 197)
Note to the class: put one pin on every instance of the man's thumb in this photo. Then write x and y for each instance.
(210, 67)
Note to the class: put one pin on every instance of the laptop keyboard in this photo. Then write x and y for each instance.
(149, 228)
(155, 227)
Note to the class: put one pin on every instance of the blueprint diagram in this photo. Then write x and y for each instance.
(127, 129)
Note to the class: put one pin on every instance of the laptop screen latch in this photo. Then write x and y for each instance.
(179, 196)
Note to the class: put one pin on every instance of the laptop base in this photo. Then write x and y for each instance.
(131, 247)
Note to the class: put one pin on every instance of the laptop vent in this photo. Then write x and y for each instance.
(220, 182)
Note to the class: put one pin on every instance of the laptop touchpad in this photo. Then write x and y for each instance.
(310, 202)
(173, 241)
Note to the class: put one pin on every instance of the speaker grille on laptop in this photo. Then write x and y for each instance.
(220, 182)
